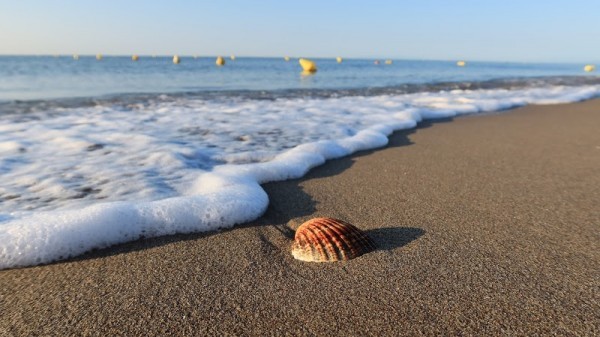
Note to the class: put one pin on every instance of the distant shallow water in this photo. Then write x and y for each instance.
(95, 168)
(44, 77)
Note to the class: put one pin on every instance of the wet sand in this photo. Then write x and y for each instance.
(486, 225)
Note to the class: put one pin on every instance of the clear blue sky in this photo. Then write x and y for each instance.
(509, 30)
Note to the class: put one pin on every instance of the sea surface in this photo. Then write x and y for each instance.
(99, 152)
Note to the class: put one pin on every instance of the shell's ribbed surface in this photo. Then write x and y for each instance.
(329, 240)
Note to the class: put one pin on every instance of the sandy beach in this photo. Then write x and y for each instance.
(486, 226)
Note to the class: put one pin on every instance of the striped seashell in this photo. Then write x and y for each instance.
(330, 240)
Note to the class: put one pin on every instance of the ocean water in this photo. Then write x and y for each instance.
(95, 153)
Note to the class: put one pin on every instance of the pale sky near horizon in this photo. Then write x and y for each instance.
(509, 30)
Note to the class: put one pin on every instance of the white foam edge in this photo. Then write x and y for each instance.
(222, 198)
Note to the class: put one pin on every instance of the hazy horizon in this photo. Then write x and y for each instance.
(241, 56)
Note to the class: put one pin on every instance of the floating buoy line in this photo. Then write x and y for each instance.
(309, 67)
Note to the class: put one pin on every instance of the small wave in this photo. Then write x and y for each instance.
(132, 100)
(93, 175)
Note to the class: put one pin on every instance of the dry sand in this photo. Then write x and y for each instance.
(488, 225)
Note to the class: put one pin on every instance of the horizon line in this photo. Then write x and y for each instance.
(198, 56)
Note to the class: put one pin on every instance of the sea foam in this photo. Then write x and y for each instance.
(79, 179)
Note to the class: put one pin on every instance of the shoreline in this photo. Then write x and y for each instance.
(466, 246)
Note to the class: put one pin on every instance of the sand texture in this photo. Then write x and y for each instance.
(486, 226)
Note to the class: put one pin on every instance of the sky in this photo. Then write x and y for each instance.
(486, 30)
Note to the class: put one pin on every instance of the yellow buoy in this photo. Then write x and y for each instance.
(99, 57)
(388, 61)
(176, 59)
(135, 57)
(589, 68)
(232, 57)
(461, 63)
(286, 58)
(220, 61)
(308, 66)
(75, 57)
(338, 59)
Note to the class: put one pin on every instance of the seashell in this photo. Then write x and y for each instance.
(330, 240)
